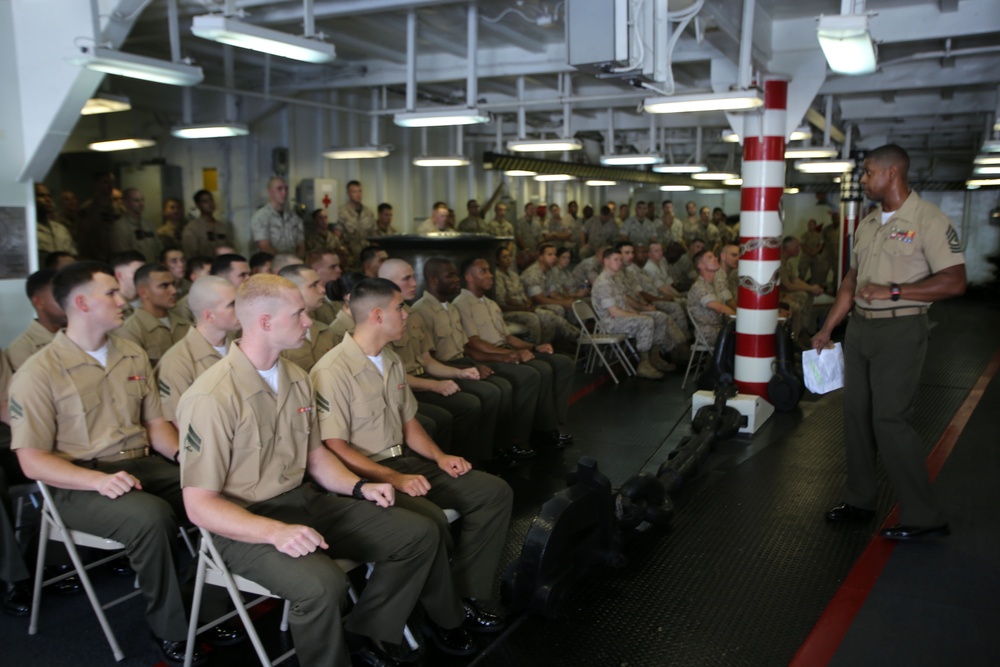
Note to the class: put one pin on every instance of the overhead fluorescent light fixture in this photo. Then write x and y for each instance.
(987, 159)
(679, 168)
(824, 166)
(554, 177)
(973, 183)
(676, 188)
(544, 145)
(442, 117)
(210, 130)
(357, 152)
(226, 30)
(630, 160)
(713, 191)
(441, 161)
(520, 172)
(987, 169)
(992, 146)
(600, 184)
(791, 191)
(105, 103)
(810, 152)
(714, 176)
(837, 179)
(798, 134)
(847, 44)
(740, 100)
(120, 145)
(110, 61)
(733, 181)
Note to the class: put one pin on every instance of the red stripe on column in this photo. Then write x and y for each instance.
(760, 199)
(754, 388)
(776, 94)
(768, 148)
(755, 345)
(762, 253)
(753, 301)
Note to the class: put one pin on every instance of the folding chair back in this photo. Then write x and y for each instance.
(53, 528)
(584, 314)
(699, 351)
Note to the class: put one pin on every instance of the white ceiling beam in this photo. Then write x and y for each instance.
(977, 70)
(336, 8)
(914, 106)
(726, 15)
(511, 35)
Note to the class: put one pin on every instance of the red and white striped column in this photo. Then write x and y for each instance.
(760, 239)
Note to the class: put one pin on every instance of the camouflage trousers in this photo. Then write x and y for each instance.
(799, 311)
(544, 326)
(678, 328)
(815, 267)
(640, 327)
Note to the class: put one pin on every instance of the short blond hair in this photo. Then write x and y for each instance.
(260, 294)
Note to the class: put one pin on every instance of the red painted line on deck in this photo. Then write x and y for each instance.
(831, 628)
(583, 391)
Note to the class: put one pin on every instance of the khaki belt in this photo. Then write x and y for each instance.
(880, 313)
(125, 455)
(390, 453)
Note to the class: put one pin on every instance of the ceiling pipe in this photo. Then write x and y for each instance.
(746, 45)
(522, 130)
(567, 108)
(373, 136)
(611, 132)
(411, 60)
(829, 119)
(309, 18)
(472, 83)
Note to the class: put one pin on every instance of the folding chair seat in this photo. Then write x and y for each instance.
(700, 350)
(53, 528)
(598, 338)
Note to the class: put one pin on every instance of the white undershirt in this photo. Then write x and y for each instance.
(100, 355)
(271, 377)
(886, 215)
(378, 363)
(309, 334)
(221, 349)
(165, 321)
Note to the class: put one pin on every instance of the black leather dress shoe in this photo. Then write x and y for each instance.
(173, 652)
(553, 439)
(69, 585)
(229, 633)
(456, 641)
(522, 451)
(17, 599)
(367, 656)
(901, 532)
(845, 512)
(479, 620)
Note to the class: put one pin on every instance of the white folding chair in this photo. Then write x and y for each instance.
(20, 493)
(699, 351)
(594, 340)
(212, 570)
(53, 528)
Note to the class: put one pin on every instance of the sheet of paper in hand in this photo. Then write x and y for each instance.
(823, 372)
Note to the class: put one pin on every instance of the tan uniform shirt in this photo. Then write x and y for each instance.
(500, 228)
(53, 236)
(481, 317)
(388, 231)
(201, 238)
(63, 401)
(358, 404)
(182, 310)
(319, 342)
(472, 225)
(443, 325)
(342, 324)
(181, 366)
(151, 334)
(917, 241)
(428, 227)
(5, 374)
(358, 226)
(31, 340)
(238, 438)
(140, 235)
(412, 346)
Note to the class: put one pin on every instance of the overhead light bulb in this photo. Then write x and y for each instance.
(676, 188)
(595, 183)
(105, 103)
(111, 61)
(847, 44)
(987, 169)
(357, 152)
(633, 159)
(442, 117)
(741, 100)
(227, 30)
(987, 159)
(520, 172)
(798, 134)
(554, 177)
(714, 176)
(824, 166)
(791, 191)
(982, 182)
(544, 145)
(679, 168)
(120, 145)
(441, 161)
(210, 130)
(810, 152)
(733, 181)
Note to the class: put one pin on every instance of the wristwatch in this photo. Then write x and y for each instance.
(356, 493)
(896, 291)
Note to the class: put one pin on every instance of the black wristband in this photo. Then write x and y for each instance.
(895, 290)
(356, 493)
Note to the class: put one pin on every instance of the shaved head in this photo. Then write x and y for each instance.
(208, 293)
(891, 155)
(394, 269)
